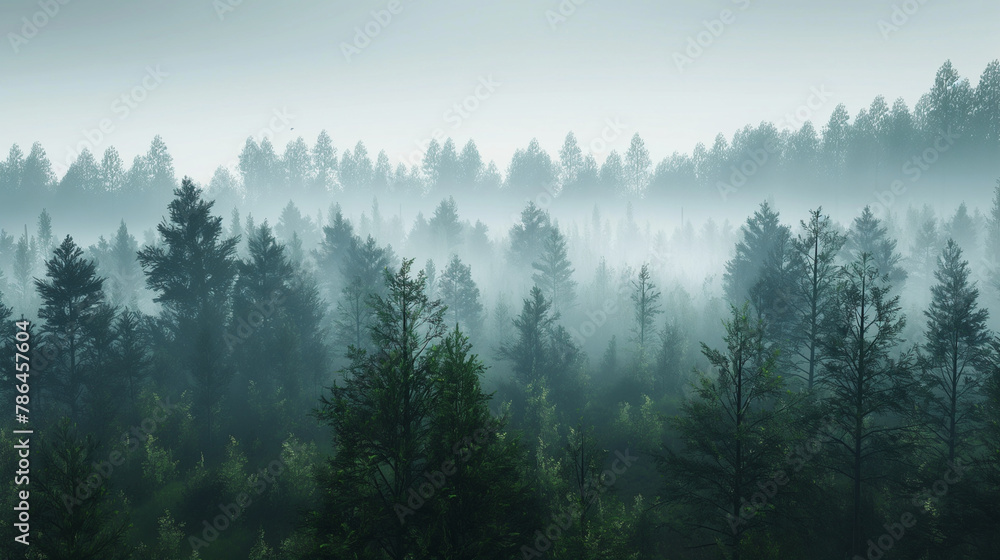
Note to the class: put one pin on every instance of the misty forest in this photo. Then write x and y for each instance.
(783, 344)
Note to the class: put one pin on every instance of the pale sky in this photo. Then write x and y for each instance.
(216, 72)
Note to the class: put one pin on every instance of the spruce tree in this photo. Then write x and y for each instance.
(731, 437)
(956, 339)
(554, 273)
(380, 418)
(72, 297)
(816, 250)
(867, 384)
(192, 274)
(460, 293)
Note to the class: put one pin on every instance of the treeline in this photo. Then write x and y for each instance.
(862, 155)
(327, 400)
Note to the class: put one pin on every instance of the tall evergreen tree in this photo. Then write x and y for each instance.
(380, 418)
(528, 237)
(461, 295)
(956, 339)
(528, 351)
(730, 431)
(192, 274)
(869, 235)
(866, 385)
(646, 305)
(554, 273)
(815, 250)
(72, 297)
(637, 165)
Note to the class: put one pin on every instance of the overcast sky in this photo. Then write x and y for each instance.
(205, 75)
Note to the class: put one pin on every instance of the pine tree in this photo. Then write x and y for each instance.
(816, 250)
(956, 341)
(762, 236)
(445, 226)
(461, 295)
(865, 383)
(380, 419)
(487, 504)
(570, 162)
(637, 164)
(731, 438)
(527, 238)
(45, 231)
(528, 351)
(324, 157)
(72, 297)
(554, 272)
(75, 529)
(646, 305)
(869, 235)
(193, 273)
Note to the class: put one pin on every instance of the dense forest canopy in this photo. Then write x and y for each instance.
(321, 354)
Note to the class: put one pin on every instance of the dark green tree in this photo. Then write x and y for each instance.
(956, 339)
(554, 272)
(731, 438)
(72, 297)
(868, 386)
(380, 417)
(815, 250)
(192, 273)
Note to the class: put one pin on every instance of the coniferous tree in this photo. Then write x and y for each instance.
(731, 438)
(72, 297)
(956, 339)
(461, 295)
(816, 250)
(324, 157)
(527, 238)
(192, 274)
(570, 162)
(762, 236)
(869, 235)
(866, 384)
(45, 231)
(637, 164)
(445, 227)
(489, 506)
(380, 419)
(528, 351)
(554, 273)
(73, 529)
(646, 305)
